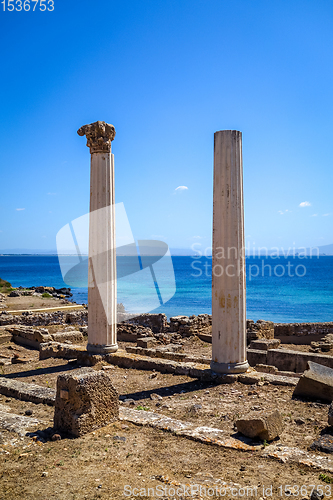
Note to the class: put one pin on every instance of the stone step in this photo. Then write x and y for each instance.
(27, 392)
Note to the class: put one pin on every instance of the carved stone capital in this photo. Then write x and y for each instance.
(99, 136)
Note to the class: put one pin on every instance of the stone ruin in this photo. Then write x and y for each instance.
(86, 400)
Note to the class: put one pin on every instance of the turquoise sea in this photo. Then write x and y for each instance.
(278, 289)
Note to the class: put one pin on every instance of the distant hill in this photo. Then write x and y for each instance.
(291, 251)
(313, 251)
(326, 250)
(27, 251)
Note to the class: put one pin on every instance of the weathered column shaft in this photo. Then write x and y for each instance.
(228, 265)
(102, 277)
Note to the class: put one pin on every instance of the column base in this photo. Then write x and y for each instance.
(101, 349)
(229, 367)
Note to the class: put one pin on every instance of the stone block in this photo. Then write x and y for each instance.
(303, 358)
(249, 378)
(316, 383)
(259, 330)
(156, 322)
(182, 320)
(26, 335)
(183, 369)
(283, 359)
(128, 332)
(27, 392)
(71, 336)
(262, 425)
(266, 368)
(265, 344)
(86, 400)
(205, 337)
(170, 348)
(146, 342)
(59, 350)
(256, 356)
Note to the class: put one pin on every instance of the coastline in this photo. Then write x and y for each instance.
(282, 299)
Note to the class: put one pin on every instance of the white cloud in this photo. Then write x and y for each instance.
(305, 204)
(197, 237)
(326, 215)
(282, 212)
(19, 209)
(314, 215)
(51, 194)
(180, 189)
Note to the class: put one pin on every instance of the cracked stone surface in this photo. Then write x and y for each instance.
(17, 423)
(203, 434)
(287, 454)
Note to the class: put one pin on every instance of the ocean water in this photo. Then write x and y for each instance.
(281, 290)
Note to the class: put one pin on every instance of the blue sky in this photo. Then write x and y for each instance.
(168, 74)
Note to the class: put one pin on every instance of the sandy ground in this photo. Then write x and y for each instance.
(122, 456)
(98, 466)
(34, 302)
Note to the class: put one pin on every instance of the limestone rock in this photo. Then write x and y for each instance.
(187, 326)
(146, 342)
(265, 426)
(28, 336)
(86, 400)
(31, 318)
(60, 350)
(27, 392)
(316, 382)
(71, 336)
(265, 344)
(323, 443)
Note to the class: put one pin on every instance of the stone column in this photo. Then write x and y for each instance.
(228, 266)
(102, 277)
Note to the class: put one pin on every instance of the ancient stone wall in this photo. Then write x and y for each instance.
(156, 322)
(191, 325)
(299, 329)
(185, 326)
(44, 319)
(259, 330)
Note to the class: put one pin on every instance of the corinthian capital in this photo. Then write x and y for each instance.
(99, 136)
